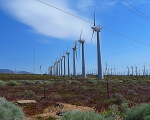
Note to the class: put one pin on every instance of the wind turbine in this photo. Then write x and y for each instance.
(51, 72)
(64, 65)
(99, 59)
(136, 70)
(128, 71)
(54, 69)
(56, 63)
(83, 58)
(74, 58)
(132, 70)
(58, 67)
(41, 69)
(144, 70)
(61, 66)
(68, 62)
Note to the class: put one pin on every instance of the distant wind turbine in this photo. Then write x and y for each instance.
(41, 69)
(51, 72)
(83, 57)
(97, 29)
(58, 67)
(68, 62)
(64, 65)
(74, 58)
(54, 69)
(61, 66)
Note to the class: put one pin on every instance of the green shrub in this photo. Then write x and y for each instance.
(79, 115)
(147, 117)
(28, 82)
(118, 99)
(12, 83)
(28, 94)
(8, 111)
(2, 83)
(131, 92)
(138, 112)
(101, 81)
(48, 82)
(124, 107)
(91, 81)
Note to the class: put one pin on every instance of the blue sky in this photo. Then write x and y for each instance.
(29, 24)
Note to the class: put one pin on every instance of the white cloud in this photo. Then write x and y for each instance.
(45, 41)
(48, 21)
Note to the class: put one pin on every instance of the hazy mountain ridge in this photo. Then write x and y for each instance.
(12, 72)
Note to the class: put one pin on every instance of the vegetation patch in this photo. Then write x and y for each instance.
(2, 83)
(8, 111)
(12, 83)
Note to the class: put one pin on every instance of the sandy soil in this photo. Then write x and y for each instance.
(58, 110)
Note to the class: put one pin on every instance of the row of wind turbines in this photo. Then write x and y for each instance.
(57, 69)
(131, 71)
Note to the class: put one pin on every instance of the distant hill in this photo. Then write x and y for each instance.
(7, 71)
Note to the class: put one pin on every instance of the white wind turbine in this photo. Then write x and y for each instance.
(83, 58)
(51, 71)
(54, 69)
(58, 67)
(56, 63)
(41, 69)
(68, 62)
(74, 58)
(61, 66)
(64, 65)
(99, 59)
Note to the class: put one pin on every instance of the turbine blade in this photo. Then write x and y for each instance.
(92, 36)
(94, 16)
(79, 48)
(81, 34)
(75, 43)
(76, 56)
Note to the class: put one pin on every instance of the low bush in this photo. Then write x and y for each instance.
(28, 94)
(131, 92)
(118, 99)
(138, 112)
(8, 111)
(72, 82)
(79, 115)
(91, 81)
(2, 83)
(12, 83)
(48, 82)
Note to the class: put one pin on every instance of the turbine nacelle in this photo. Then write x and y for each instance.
(81, 41)
(96, 28)
(63, 56)
(67, 53)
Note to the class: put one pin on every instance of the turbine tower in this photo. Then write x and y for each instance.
(128, 71)
(54, 69)
(64, 65)
(99, 59)
(68, 62)
(132, 70)
(74, 58)
(58, 67)
(41, 69)
(61, 67)
(56, 63)
(51, 72)
(83, 58)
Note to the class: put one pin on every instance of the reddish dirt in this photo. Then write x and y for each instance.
(80, 94)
